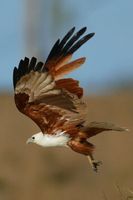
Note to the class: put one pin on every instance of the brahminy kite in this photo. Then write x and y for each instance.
(54, 103)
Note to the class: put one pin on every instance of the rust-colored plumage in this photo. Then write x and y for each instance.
(56, 104)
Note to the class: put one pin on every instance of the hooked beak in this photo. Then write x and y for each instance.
(30, 140)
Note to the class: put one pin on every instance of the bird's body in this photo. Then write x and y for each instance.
(54, 103)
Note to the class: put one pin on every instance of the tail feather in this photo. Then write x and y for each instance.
(95, 128)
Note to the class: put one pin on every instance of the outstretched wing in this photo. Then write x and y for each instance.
(53, 103)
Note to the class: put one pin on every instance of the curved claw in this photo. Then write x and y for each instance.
(94, 163)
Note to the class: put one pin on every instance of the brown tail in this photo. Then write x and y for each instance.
(93, 128)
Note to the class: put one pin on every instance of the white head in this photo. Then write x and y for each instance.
(47, 140)
(36, 138)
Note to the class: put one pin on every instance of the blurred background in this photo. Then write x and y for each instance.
(29, 28)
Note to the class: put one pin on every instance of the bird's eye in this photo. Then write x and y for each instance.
(33, 138)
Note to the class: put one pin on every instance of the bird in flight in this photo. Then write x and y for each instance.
(55, 103)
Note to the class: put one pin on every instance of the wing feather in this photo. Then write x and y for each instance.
(52, 104)
(65, 48)
(67, 68)
(73, 40)
(70, 85)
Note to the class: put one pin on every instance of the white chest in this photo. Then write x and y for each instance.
(54, 140)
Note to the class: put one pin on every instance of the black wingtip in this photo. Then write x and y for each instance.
(82, 30)
(25, 66)
(57, 47)
(92, 34)
(80, 42)
(53, 50)
(69, 44)
(71, 31)
(14, 77)
(32, 64)
(73, 39)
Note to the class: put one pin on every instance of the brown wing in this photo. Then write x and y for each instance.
(51, 103)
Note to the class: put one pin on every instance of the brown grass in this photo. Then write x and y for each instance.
(29, 172)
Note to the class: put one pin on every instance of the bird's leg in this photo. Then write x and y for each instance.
(94, 163)
(85, 148)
